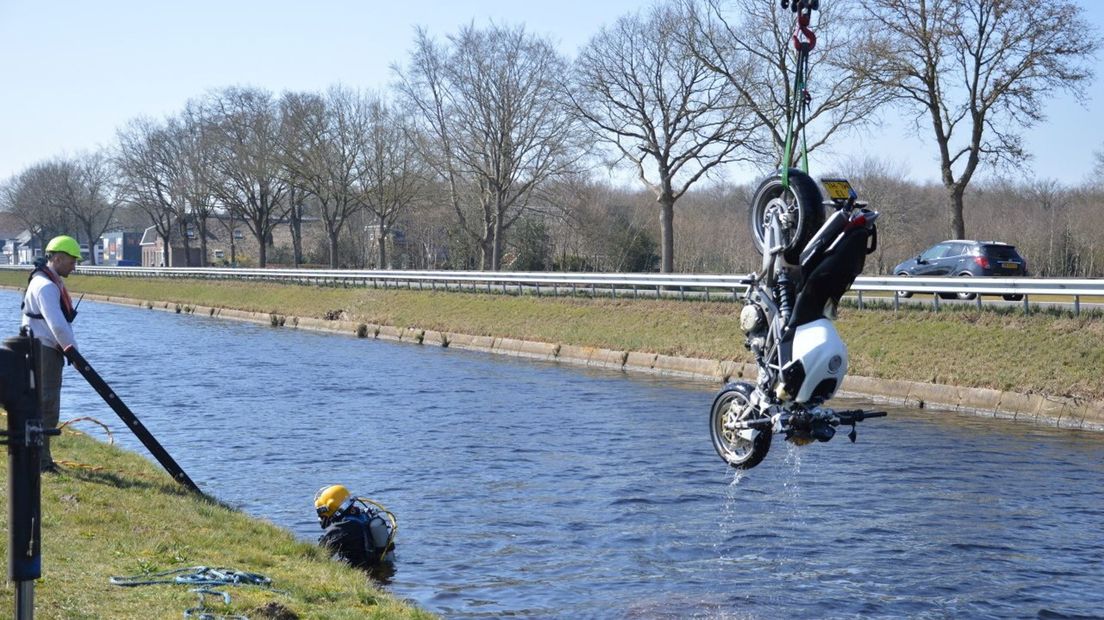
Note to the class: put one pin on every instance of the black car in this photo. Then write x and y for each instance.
(962, 257)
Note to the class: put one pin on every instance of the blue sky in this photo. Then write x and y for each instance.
(74, 72)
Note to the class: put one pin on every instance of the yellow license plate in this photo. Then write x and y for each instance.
(838, 189)
(1010, 265)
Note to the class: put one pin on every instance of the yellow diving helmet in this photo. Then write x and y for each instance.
(330, 500)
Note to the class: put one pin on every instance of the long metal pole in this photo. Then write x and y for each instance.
(131, 420)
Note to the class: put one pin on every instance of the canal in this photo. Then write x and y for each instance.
(531, 489)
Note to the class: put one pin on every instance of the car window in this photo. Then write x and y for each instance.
(935, 252)
(1001, 252)
(955, 249)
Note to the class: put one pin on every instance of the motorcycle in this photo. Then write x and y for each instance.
(808, 263)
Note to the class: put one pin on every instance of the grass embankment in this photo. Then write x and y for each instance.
(130, 518)
(1047, 352)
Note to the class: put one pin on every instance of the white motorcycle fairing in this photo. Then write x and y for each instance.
(822, 355)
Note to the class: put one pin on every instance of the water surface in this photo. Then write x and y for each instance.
(531, 489)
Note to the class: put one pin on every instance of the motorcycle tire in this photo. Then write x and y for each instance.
(804, 202)
(735, 450)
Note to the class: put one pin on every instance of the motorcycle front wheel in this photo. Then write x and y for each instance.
(801, 204)
(731, 405)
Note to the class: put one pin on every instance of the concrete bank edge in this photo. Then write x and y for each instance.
(1061, 412)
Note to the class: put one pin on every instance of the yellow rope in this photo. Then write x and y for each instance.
(107, 429)
(110, 441)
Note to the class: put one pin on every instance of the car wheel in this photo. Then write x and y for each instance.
(1013, 297)
(965, 295)
(904, 294)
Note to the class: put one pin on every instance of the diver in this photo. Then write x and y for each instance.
(355, 529)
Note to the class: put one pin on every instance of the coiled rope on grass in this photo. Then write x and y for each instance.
(204, 579)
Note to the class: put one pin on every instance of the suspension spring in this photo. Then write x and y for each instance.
(783, 292)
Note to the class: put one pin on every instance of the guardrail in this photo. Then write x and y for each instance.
(681, 286)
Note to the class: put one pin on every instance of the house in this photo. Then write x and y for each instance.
(152, 254)
(121, 248)
(230, 240)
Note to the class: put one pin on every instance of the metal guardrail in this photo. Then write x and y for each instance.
(699, 286)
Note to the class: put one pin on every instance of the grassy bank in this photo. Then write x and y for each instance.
(129, 518)
(1046, 352)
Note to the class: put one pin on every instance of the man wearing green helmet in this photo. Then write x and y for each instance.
(48, 312)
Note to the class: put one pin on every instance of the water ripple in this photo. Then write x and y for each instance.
(535, 490)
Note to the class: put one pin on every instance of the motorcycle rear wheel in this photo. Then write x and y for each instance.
(737, 451)
(802, 201)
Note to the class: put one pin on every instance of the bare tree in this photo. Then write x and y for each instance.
(33, 196)
(645, 93)
(494, 129)
(324, 146)
(197, 148)
(251, 181)
(88, 195)
(1097, 176)
(393, 175)
(152, 177)
(979, 71)
(749, 43)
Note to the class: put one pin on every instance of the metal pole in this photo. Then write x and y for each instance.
(20, 374)
(24, 600)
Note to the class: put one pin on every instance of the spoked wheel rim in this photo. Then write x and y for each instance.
(734, 444)
(800, 201)
(785, 205)
(736, 449)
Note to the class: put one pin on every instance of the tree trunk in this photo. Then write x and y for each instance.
(381, 240)
(296, 226)
(262, 252)
(496, 245)
(486, 247)
(958, 226)
(233, 244)
(166, 252)
(331, 236)
(667, 232)
(202, 242)
(187, 246)
(91, 246)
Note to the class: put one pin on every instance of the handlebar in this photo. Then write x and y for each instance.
(851, 416)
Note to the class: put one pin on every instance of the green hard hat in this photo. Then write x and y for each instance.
(64, 243)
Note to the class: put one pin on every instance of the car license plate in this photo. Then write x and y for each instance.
(838, 189)
(1010, 265)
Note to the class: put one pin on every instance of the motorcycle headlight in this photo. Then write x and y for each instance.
(751, 318)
